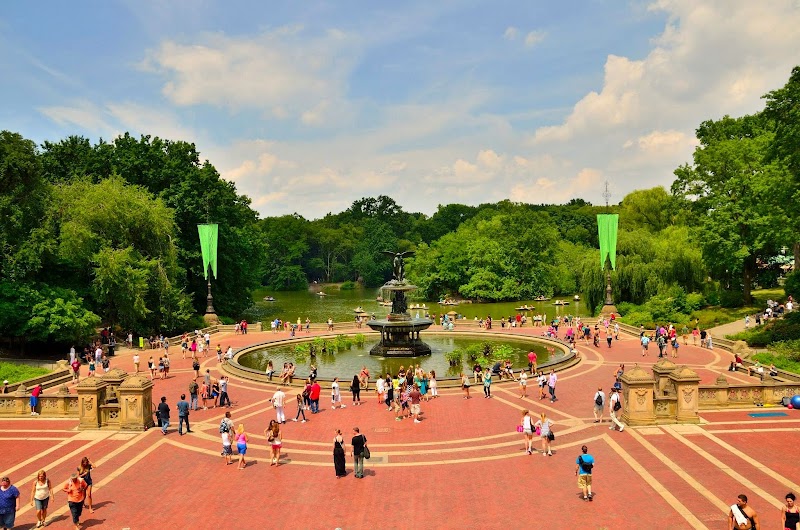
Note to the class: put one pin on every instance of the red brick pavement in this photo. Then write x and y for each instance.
(463, 466)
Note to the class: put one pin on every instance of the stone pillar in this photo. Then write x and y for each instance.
(638, 388)
(136, 404)
(91, 394)
(114, 378)
(63, 400)
(722, 390)
(661, 371)
(686, 383)
(22, 405)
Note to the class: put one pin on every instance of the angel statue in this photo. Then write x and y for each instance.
(398, 267)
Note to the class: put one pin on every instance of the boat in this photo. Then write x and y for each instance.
(523, 308)
(269, 299)
(322, 294)
(542, 298)
(359, 310)
(576, 298)
(560, 302)
(387, 303)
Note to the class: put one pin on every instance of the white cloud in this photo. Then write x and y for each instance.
(534, 37)
(510, 33)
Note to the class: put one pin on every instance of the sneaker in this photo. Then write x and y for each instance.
(621, 428)
(417, 421)
(591, 497)
(301, 421)
(611, 428)
(549, 453)
(294, 419)
(343, 406)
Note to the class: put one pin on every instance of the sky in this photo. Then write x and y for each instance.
(308, 106)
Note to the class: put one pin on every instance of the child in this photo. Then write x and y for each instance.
(91, 367)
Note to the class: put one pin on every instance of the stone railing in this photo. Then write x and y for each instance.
(57, 405)
(722, 394)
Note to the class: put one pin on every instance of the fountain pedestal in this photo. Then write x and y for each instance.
(399, 332)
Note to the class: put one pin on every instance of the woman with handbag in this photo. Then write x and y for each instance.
(526, 428)
(358, 444)
(339, 463)
(544, 427)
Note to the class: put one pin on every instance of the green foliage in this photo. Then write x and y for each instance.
(359, 339)
(792, 284)
(19, 372)
(61, 316)
(784, 355)
(348, 286)
(454, 357)
(670, 306)
(773, 331)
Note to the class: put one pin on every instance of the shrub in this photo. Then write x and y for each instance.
(359, 339)
(454, 357)
(694, 301)
(348, 286)
(792, 285)
(785, 329)
(731, 298)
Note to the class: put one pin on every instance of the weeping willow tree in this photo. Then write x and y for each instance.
(648, 263)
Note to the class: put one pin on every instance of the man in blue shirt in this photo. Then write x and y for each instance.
(583, 470)
(183, 414)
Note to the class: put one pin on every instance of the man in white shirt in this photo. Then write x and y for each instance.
(277, 401)
(551, 386)
(98, 354)
(71, 354)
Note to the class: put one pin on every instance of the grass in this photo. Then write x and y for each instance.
(781, 362)
(19, 372)
(712, 316)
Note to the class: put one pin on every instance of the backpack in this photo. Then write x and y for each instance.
(586, 466)
(224, 427)
(617, 405)
(598, 400)
(193, 387)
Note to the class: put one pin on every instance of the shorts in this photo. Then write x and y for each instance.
(523, 382)
(584, 481)
(34, 401)
(41, 504)
(7, 519)
(527, 432)
(242, 448)
(598, 408)
(415, 408)
(226, 450)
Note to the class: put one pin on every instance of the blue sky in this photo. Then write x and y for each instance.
(308, 106)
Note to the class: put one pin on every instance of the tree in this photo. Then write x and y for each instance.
(286, 251)
(371, 266)
(783, 110)
(733, 190)
(653, 209)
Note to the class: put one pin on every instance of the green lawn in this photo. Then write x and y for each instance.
(712, 316)
(19, 372)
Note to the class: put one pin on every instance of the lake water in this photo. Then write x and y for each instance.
(340, 306)
(345, 364)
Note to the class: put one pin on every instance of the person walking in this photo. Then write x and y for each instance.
(204, 393)
(742, 516)
(241, 445)
(336, 395)
(278, 400)
(300, 409)
(226, 433)
(487, 383)
(163, 414)
(339, 463)
(183, 414)
(583, 470)
(645, 341)
(544, 427)
(313, 396)
(273, 434)
(224, 398)
(551, 386)
(415, 396)
(541, 380)
(193, 388)
(85, 472)
(614, 408)
(465, 385)
(9, 503)
(355, 388)
(527, 430)
(357, 444)
(75, 488)
(790, 515)
(599, 405)
(41, 493)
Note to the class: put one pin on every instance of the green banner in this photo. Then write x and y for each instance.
(607, 231)
(208, 246)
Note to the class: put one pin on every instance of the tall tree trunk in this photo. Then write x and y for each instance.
(747, 279)
(797, 256)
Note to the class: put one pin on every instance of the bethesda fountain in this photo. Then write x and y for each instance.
(399, 332)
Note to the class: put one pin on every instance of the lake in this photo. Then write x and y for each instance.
(340, 306)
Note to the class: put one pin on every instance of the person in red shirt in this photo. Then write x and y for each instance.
(415, 395)
(313, 395)
(35, 393)
(532, 362)
(76, 370)
(75, 488)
